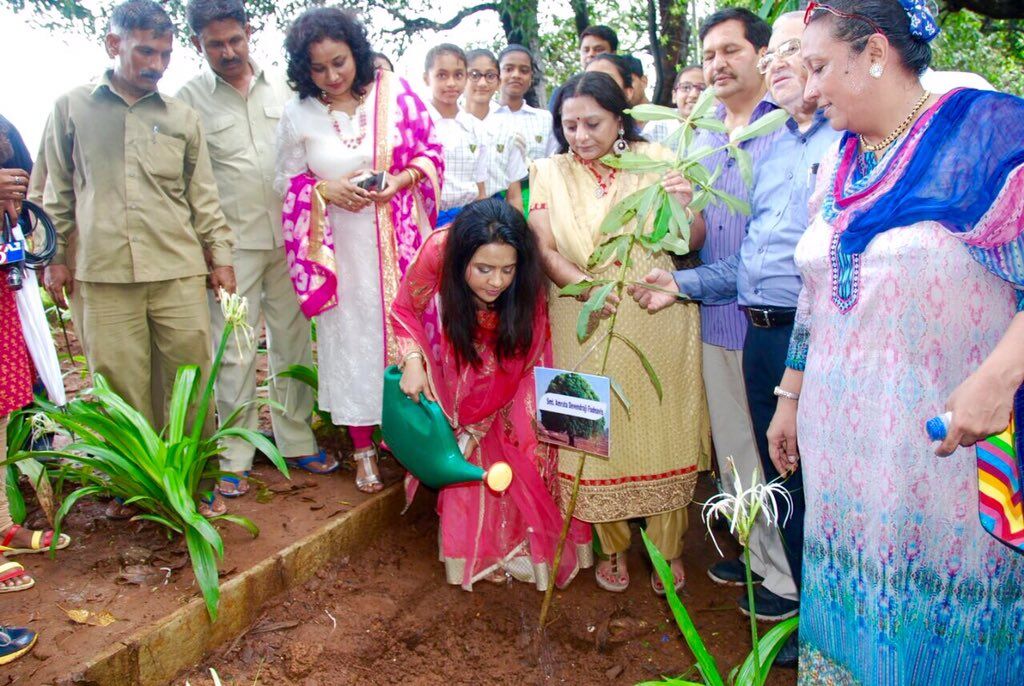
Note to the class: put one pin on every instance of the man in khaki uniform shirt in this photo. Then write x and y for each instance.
(240, 106)
(129, 182)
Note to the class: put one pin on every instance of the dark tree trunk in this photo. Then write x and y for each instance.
(519, 21)
(669, 33)
(581, 14)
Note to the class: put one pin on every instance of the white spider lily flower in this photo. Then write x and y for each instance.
(43, 425)
(235, 309)
(744, 506)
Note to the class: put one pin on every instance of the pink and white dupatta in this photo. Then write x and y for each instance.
(403, 136)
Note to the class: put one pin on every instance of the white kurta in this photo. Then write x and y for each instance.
(350, 338)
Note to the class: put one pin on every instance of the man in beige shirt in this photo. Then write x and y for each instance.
(129, 184)
(240, 106)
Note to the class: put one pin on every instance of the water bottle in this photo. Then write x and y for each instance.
(1000, 468)
(937, 427)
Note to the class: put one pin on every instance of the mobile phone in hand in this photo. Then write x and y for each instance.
(370, 182)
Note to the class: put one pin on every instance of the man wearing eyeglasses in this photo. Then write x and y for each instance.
(764, 279)
(733, 40)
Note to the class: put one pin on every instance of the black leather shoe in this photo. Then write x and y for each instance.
(731, 573)
(769, 607)
(789, 653)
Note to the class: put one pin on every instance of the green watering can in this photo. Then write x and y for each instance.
(419, 436)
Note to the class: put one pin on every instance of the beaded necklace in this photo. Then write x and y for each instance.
(351, 142)
(602, 184)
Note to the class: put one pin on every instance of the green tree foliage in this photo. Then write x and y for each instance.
(991, 47)
(983, 36)
(574, 386)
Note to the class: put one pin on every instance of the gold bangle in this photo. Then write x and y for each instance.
(409, 356)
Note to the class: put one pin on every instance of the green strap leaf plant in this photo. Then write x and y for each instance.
(118, 453)
(742, 510)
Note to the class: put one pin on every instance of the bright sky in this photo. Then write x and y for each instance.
(53, 64)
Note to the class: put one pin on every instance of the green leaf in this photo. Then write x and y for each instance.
(699, 176)
(241, 521)
(704, 103)
(769, 646)
(705, 661)
(635, 162)
(701, 199)
(260, 442)
(301, 372)
(700, 153)
(15, 500)
(711, 124)
(745, 163)
(69, 502)
(653, 112)
(735, 205)
(186, 381)
(681, 219)
(651, 374)
(612, 249)
(648, 201)
(162, 521)
(204, 565)
(661, 225)
(674, 139)
(674, 245)
(617, 388)
(593, 304)
(578, 288)
(621, 212)
(764, 125)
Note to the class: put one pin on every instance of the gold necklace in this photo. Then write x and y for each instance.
(898, 131)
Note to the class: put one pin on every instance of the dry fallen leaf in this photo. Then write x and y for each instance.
(89, 617)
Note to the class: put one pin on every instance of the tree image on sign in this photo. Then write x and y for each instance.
(575, 386)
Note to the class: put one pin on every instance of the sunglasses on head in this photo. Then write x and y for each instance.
(813, 7)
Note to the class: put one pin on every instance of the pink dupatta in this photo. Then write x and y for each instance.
(403, 136)
(482, 531)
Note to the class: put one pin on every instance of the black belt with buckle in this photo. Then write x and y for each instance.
(770, 317)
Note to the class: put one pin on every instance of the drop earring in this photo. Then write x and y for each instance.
(875, 71)
(620, 145)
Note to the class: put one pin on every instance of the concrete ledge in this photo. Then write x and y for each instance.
(155, 655)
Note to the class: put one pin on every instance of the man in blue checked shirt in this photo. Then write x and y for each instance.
(763, 279)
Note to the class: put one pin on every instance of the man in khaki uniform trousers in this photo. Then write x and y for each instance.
(240, 106)
(129, 182)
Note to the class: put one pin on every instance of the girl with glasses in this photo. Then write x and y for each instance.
(507, 159)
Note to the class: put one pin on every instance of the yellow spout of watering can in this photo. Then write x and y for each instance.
(419, 436)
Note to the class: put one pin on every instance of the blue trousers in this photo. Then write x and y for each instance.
(764, 361)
